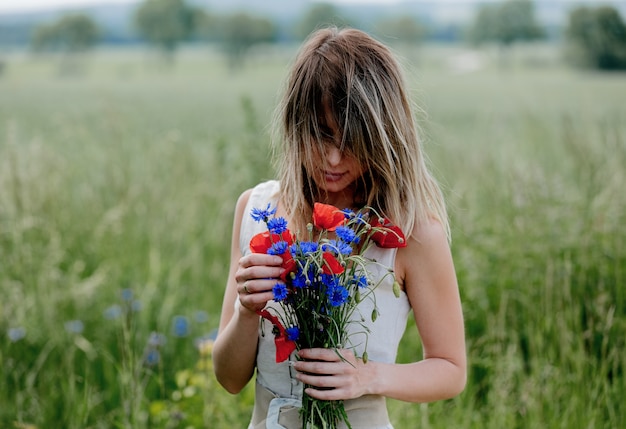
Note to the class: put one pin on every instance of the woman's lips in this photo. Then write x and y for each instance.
(332, 176)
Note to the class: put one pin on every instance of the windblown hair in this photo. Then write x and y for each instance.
(361, 83)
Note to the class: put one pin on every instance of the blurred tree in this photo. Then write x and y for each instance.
(71, 33)
(165, 23)
(506, 22)
(319, 15)
(239, 32)
(596, 38)
(205, 25)
(400, 30)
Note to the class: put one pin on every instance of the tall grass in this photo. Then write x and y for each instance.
(117, 189)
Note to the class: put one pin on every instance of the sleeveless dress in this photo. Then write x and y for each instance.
(278, 392)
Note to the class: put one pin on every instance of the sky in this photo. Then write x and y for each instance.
(7, 6)
(30, 5)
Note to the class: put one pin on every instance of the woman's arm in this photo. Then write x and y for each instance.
(234, 351)
(426, 269)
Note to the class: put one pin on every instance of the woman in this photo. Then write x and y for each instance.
(347, 138)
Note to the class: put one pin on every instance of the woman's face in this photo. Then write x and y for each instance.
(334, 171)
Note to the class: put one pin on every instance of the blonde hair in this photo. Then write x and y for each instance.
(361, 82)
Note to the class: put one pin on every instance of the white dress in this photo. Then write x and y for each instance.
(276, 382)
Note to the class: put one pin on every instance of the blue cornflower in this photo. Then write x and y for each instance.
(262, 215)
(293, 333)
(360, 218)
(152, 357)
(277, 225)
(304, 248)
(156, 339)
(348, 213)
(113, 312)
(331, 281)
(299, 280)
(180, 326)
(74, 326)
(361, 281)
(213, 334)
(280, 291)
(338, 295)
(304, 279)
(278, 248)
(127, 295)
(16, 334)
(346, 234)
(201, 316)
(337, 246)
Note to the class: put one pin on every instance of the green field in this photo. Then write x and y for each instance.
(117, 187)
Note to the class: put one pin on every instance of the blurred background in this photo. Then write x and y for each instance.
(129, 128)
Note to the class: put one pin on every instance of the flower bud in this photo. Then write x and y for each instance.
(396, 289)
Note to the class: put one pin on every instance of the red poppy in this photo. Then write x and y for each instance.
(327, 217)
(387, 235)
(261, 242)
(331, 264)
(284, 346)
(289, 264)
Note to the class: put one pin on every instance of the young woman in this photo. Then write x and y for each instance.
(347, 138)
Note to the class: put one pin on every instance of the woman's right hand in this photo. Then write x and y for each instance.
(256, 275)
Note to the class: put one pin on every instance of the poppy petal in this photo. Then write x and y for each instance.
(327, 217)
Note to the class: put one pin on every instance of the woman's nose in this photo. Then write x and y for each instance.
(333, 155)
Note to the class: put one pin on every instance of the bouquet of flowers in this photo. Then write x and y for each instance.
(325, 279)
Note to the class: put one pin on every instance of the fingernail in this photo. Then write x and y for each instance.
(292, 363)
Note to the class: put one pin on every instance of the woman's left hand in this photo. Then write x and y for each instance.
(332, 376)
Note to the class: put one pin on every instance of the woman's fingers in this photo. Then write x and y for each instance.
(256, 276)
(250, 287)
(257, 268)
(332, 374)
(325, 362)
(260, 259)
(328, 355)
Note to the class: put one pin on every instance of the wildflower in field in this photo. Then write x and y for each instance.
(113, 312)
(74, 326)
(180, 326)
(204, 344)
(127, 295)
(201, 316)
(152, 357)
(156, 339)
(16, 334)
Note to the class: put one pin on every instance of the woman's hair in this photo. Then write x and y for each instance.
(361, 83)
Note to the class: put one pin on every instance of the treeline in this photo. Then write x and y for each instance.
(593, 37)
